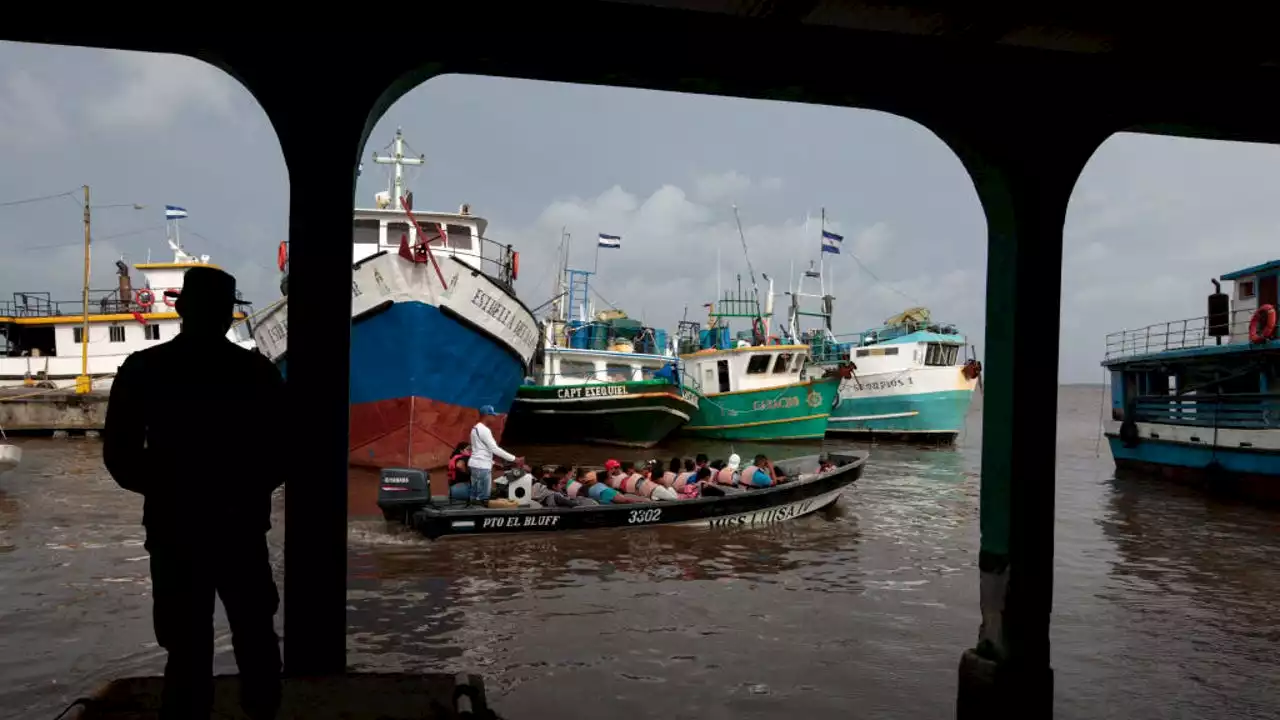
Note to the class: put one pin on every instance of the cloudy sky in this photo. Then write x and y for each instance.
(1152, 218)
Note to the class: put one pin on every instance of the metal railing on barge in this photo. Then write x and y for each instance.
(1230, 411)
(1176, 335)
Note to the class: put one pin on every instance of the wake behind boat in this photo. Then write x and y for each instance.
(403, 496)
(437, 331)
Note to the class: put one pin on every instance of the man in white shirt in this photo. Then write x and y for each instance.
(483, 449)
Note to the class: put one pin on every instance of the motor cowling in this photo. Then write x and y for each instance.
(402, 492)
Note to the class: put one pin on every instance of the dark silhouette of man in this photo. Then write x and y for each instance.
(175, 433)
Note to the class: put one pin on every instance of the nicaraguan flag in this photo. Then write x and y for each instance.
(609, 241)
(831, 242)
(173, 212)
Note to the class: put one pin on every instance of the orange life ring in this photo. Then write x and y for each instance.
(1268, 329)
(515, 266)
(168, 301)
(282, 254)
(971, 369)
(144, 298)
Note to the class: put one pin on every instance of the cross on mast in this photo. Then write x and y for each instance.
(398, 160)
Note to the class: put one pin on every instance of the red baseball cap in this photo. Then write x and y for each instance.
(612, 464)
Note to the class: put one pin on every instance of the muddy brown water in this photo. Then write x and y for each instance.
(1165, 601)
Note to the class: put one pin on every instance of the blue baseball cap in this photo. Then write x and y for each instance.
(487, 410)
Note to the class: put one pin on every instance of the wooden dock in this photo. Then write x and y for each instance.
(354, 696)
(28, 409)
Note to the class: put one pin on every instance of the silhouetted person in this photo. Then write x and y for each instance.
(176, 434)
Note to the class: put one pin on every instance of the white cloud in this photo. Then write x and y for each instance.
(155, 89)
(29, 113)
(668, 261)
(730, 187)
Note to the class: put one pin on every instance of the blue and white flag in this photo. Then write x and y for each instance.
(831, 242)
(609, 241)
(173, 212)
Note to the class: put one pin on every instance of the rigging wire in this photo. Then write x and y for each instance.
(41, 198)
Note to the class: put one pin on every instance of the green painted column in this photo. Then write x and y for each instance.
(1024, 184)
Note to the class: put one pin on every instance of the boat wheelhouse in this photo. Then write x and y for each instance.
(42, 337)
(599, 377)
(1199, 399)
(437, 331)
(752, 387)
(913, 378)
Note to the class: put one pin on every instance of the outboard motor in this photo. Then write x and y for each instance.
(402, 492)
(1219, 313)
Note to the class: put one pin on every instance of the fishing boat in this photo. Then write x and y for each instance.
(752, 387)
(1197, 398)
(599, 378)
(42, 337)
(912, 379)
(403, 497)
(437, 331)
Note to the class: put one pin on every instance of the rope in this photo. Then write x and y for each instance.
(86, 702)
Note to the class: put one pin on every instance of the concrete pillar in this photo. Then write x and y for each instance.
(1024, 185)
(321, 141)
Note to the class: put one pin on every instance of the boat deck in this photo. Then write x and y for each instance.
(350, 697)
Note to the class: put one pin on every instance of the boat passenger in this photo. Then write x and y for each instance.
(824, 464)
(545, 491)
(669, 477)
(759, 474)
(694, 486)
(604, 494)
(458, 474)
(652, 486)
(699, 462)
(684, 477)
(728, 474)
(483, 450)
(571, 486)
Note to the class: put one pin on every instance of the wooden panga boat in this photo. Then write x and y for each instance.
(403, 497)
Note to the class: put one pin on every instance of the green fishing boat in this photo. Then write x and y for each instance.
(602, 378)
(751, 387)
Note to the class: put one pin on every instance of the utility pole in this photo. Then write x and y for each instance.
(84, 384)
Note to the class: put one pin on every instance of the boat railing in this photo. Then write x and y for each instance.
(498, 261)
(40, 304)
(1231, 411)
(1174, 335)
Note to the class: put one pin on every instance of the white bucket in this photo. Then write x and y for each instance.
(10, 457)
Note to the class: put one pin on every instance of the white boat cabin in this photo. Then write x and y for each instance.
(916, 350)
(753, 367)
(41, 338)
(574, 366)
(1254, 287)
(379, 230)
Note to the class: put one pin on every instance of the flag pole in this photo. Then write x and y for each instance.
(822, 253)
(596, 270)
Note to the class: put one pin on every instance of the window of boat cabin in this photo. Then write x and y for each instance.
(1246, 289)
(577, 370)
(77, 334)
(617, 372)
(782, 364)
(397, 230)
(116, 333)
(722, 367)
(460, 238)
(941, 355)
(151, 332)
(367, 232)
(758, 364)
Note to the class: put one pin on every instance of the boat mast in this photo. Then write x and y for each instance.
(397, 160)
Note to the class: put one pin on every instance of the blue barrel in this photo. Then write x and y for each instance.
(704, 339)
(577, 334)
(659, 341)
(725, 342)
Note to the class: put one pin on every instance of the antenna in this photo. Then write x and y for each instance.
(398, 161)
